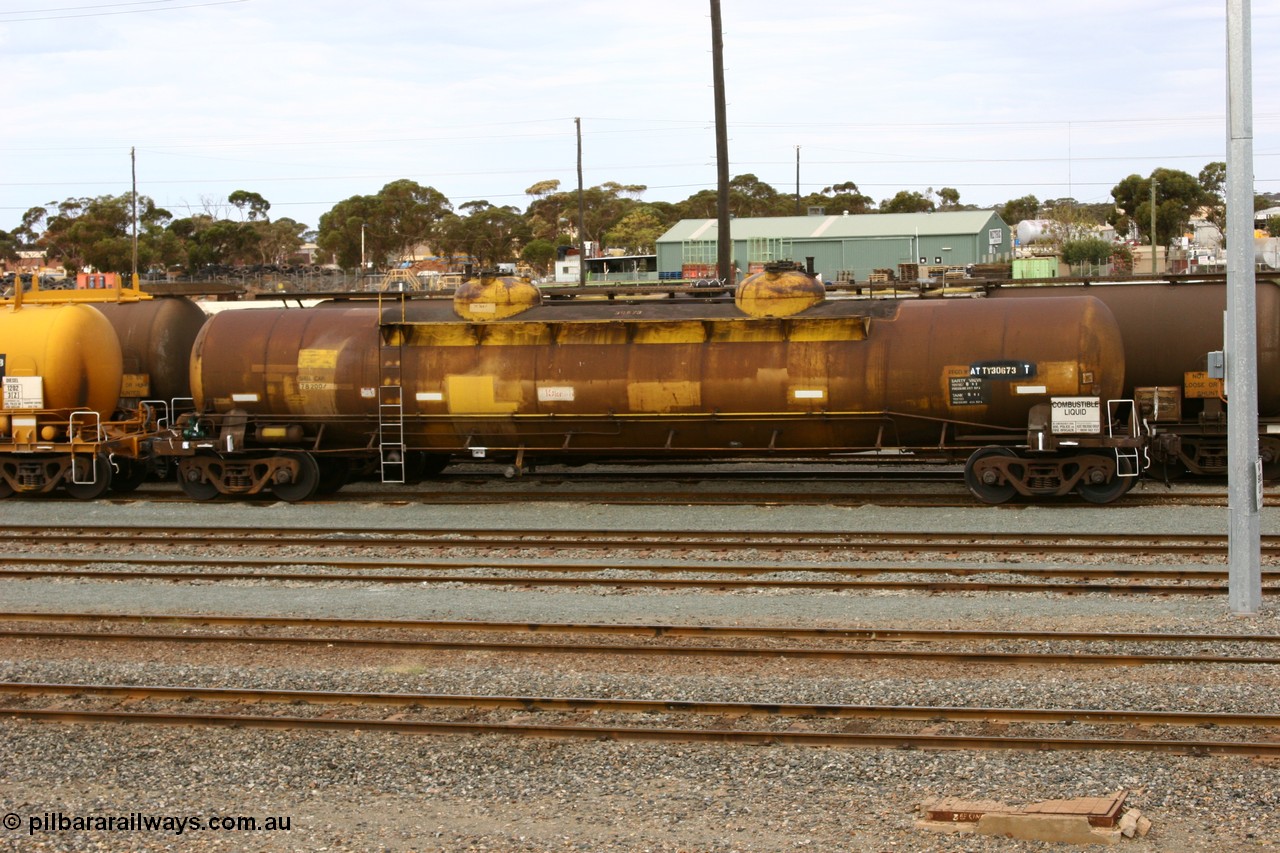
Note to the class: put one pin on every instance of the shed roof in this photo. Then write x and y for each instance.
(835, 227)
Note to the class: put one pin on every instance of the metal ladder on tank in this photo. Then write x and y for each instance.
(1128, 460)
(391, 447)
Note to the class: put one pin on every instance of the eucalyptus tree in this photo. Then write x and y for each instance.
(1178, 196)
(379, 228)
(97, 233)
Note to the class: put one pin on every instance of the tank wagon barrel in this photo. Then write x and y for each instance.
(1168, 331)
(64, 422)
(290, 398)
(156, 338)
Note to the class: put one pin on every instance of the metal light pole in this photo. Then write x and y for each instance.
(797, 180)
(582, 215)
(1244, 468)
(1154, 184)
(133, 169)
(724, 240)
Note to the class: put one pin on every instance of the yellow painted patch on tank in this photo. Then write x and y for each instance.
(471, 395)
(442, 335)
(664, 396)
(597, 334)
(748, 331)
(321, 359)
(690, 332)
(515, 334)
(1059, 377)
(838, 329)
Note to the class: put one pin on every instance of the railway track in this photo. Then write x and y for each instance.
(702, 497)
(29, 566)
(1130, 582)
(682, 711)
(824, 644)
(1166, 544)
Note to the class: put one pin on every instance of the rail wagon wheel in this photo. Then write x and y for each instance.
(333, 475)
(1105, 493)
(419, 465)
(129, 474)
(1269, 451)
(96, 468)
(307, 482)
(194, 486)
(986, 485)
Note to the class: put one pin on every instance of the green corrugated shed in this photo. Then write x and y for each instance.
(859, 244)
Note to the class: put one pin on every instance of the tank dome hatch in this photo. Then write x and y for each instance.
(492, 296)
(780, 290)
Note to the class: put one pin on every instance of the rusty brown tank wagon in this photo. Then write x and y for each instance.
(156, 338)
(291, 397)
(1168, 330)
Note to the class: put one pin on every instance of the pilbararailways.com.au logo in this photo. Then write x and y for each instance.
(139, 822)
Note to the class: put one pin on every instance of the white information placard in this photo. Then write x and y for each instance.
(23, 392)
(1076, 415)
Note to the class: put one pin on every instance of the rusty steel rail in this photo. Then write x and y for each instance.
(704, 498)
(666, 735)
(1040, 658)
(1185, 544)
(609, 705)
(238, 568)
(868, 634)
(578, 580)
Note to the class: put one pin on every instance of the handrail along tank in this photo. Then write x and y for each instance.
(781, 373)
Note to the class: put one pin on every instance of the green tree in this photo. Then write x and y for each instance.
(488, 234)
(749, 197)
(637, 232)
(1178, 197)
(1016, 210)
(907, 201)
(402, 216)
(278, 240)
(1213, 180)
(553, 216)
(208, 241)
(1273, 226)
(1090, 250)
(8, 246)
(948, 198)
(539, 253)
(257, 205)
(549, 216)
(841, 198)
(97, 233)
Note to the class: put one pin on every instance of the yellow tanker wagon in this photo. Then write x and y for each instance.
(60, 423)
(290, 398)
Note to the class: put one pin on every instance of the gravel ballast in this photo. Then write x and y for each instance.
(369, 791)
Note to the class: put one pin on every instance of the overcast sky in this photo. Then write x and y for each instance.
(309, 103)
